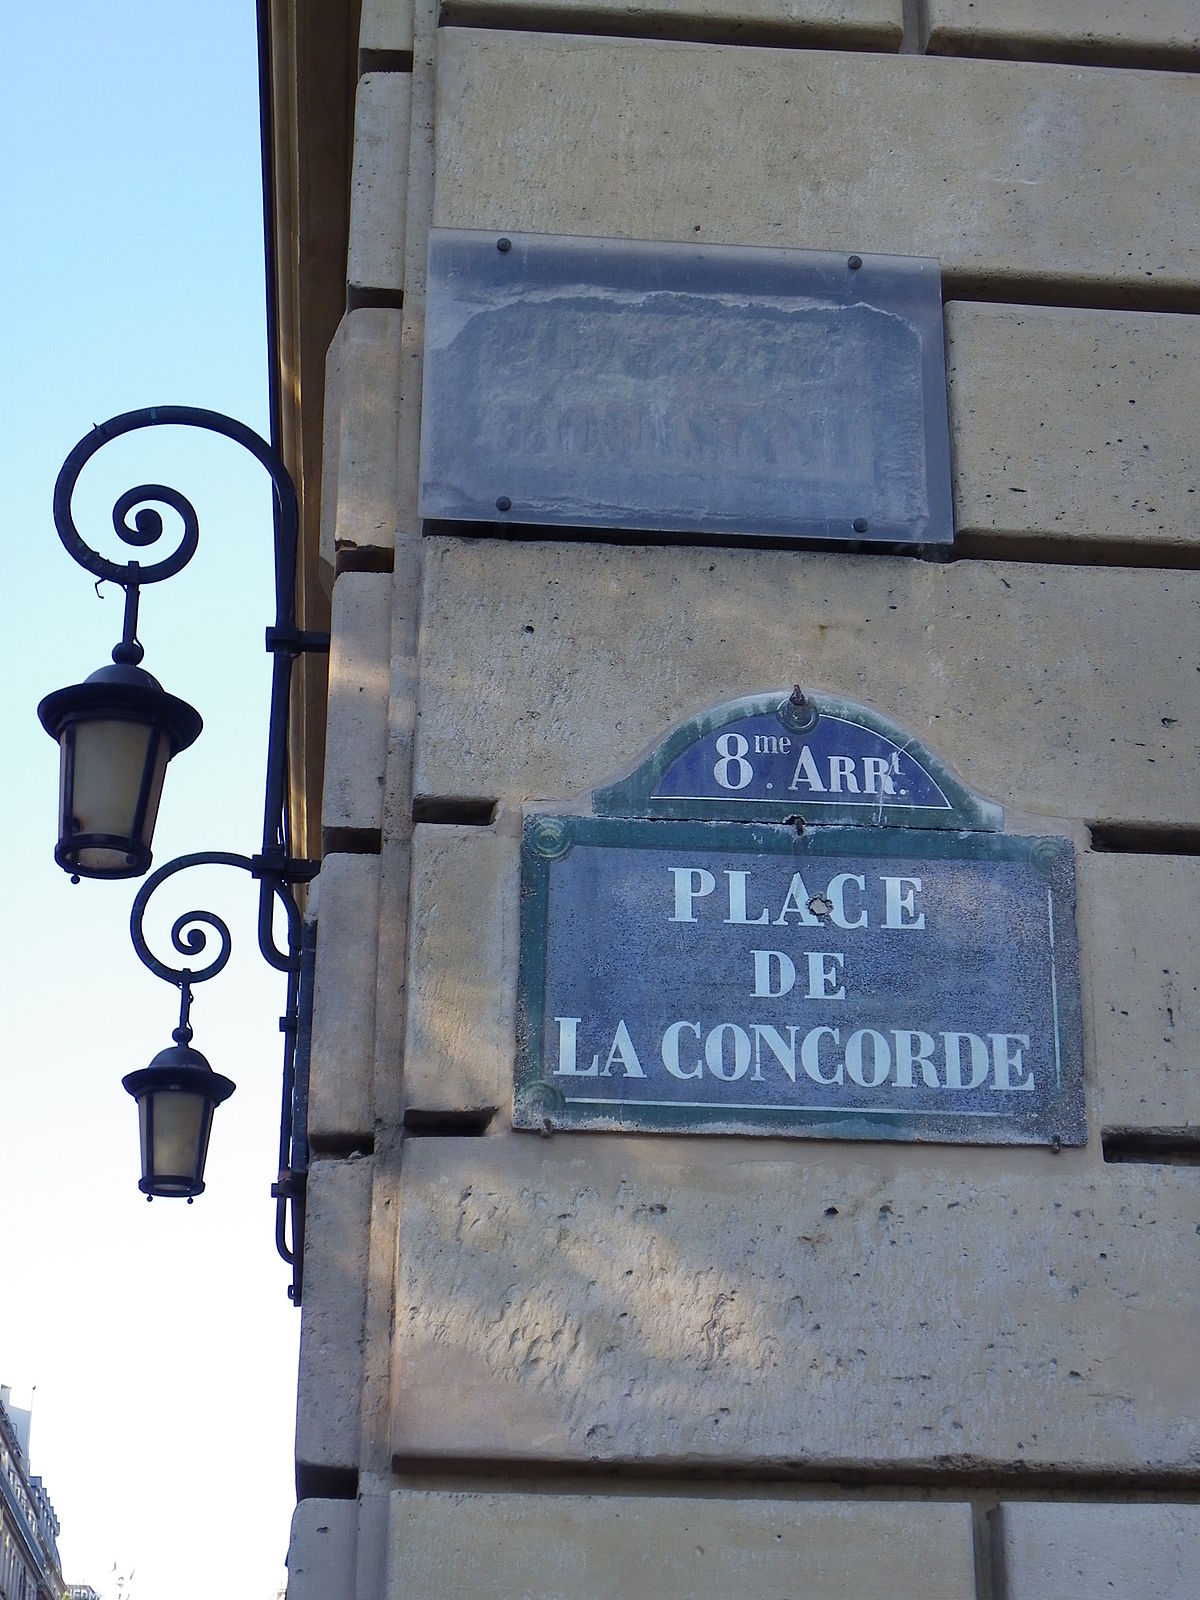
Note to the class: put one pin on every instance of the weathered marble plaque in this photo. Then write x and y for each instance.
(843, 982)
(684, 388)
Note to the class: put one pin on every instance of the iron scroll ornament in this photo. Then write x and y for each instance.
(147, 527)
(188, 934)
(140, 525)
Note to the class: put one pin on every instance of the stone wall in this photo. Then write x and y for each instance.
(597, 1364)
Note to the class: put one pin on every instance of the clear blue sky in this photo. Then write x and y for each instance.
(159, 1338)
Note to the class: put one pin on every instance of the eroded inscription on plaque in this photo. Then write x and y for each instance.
(684, 388)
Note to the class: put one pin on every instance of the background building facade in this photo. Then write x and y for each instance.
(29, 1528)
(603, 1364)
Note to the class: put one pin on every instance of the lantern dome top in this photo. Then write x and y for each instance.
(179, 1066)
(123, 689)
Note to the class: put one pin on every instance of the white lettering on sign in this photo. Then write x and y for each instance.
(868, 1058)
(775, 974)
(837, 898)
(903, 1057)
(621, 1053)
(979, 1057)
(727, 1051)
(824, 972)
(901, 903)
(1007, 1060)
(732, 771)
(670, 1051)
(568, 1047)
(737, 902)
(691, 883)
(846, 899)
(871, 1058)
(866, 775)
(810, 1056)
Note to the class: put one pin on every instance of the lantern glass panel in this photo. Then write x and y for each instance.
(175, 1125)
(110, 764)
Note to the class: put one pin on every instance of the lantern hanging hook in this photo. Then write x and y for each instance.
(183, 1033)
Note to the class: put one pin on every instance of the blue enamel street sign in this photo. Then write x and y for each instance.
(840, 982)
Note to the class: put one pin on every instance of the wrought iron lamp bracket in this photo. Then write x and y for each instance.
(138, 524)
(187, 932)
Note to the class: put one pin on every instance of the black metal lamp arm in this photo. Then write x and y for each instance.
(284, 641)
(189, 936)
(275, 868)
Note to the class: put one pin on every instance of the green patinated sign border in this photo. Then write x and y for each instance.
(633, 795)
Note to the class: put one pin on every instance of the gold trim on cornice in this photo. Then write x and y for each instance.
(309, 67)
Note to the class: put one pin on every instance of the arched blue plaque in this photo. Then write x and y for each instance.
(794, 756)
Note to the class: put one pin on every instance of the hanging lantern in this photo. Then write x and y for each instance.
(116, 732)
(176, 1096)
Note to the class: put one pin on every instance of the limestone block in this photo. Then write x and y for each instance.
(374, 1519)
(412, 357)
(362, 425)
(692, 1303)
(356, 739)
(852, 24)
(321, 1554)
(378, 187)
(1068, 692)
(1167, 32)
(343, 1040)
(675, 1547)
(1138, 917)
(331, 1319)
(1006, 171)
(1076, 424)
(1076, 1552)
(463, 969)
(386, 27)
